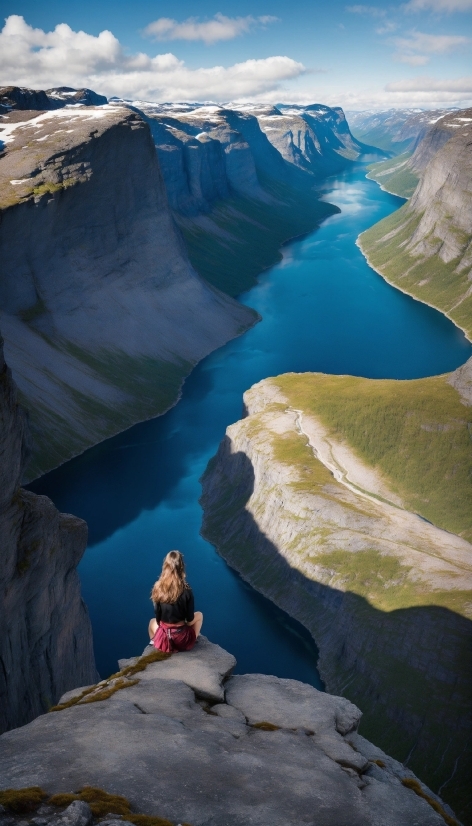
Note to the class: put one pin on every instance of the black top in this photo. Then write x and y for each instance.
(182, 609)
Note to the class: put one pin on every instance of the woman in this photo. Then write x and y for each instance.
(177, 625)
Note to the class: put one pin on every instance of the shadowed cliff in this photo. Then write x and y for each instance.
(408, 669)
(45, 634)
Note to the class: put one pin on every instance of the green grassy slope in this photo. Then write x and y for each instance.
(377, 137)
(430, 280)
(416, 433)
(248, 234)
(394, 175)
(151, 386)
(391, 639)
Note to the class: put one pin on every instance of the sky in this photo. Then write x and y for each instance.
(412, 54)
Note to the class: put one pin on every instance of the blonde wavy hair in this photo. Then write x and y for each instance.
(172, 582)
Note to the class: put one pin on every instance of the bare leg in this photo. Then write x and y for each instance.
(197, 623)
(152, 628)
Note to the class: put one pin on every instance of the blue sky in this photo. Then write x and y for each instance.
(416, 53)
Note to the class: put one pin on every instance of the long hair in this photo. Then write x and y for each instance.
(171, 582)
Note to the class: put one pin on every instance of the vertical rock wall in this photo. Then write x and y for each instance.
(45, 633)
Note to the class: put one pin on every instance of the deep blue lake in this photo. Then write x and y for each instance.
(324, 309)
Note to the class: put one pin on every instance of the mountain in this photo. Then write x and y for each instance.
(394, 130)
(102, 313)
(425, 247)
(15, 97)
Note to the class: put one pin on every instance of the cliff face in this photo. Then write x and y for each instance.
(45, 633)
(327, 536)
(208, 153)
(425, 247)
(395, 130)
(102, 313)
(400, 175)
(238, 749)
(314, 138)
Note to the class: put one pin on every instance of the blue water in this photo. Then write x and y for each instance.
(323, 309)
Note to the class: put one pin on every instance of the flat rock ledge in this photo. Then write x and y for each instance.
(187, 741)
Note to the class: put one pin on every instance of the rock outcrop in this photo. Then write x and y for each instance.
(327, 536)
(425, 248)
(45, 633)
(101, 311)
(189, 742)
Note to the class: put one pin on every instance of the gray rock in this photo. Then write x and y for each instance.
(203, 669)
(78, 813)
(45, 634)
(155, 744)
(116, 821)
(290, 704)
(228, 712)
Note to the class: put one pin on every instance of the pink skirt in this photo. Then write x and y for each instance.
(171, 638)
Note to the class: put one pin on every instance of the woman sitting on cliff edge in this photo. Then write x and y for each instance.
(176, 626)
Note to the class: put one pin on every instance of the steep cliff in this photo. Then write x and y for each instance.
(425, 247)
(184, 740)
(400, 175)
(313, 138)
(234, 197)
(314, 497)
(395, 130)
(45, 633)
(101, 311)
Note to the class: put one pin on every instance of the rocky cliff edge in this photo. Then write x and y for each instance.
(183, 739)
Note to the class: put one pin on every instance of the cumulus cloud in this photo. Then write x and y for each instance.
(439, 6)
(210, 31)
(39, 59)
(417, 47)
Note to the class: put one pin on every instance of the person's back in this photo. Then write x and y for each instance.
(176, 625)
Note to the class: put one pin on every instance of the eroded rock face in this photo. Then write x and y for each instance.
(45, 633)
(167, 750)
(314, 138)
(101, 311)
(208, 153)
(443, 197)
(298, 540)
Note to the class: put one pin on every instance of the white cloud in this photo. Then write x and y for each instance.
(374, 11)
(413, 59)
(387, 27)
(461, 85)
(417, 47)
(210, 31)
(430, 43)
(39, 59)
(441, 6)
